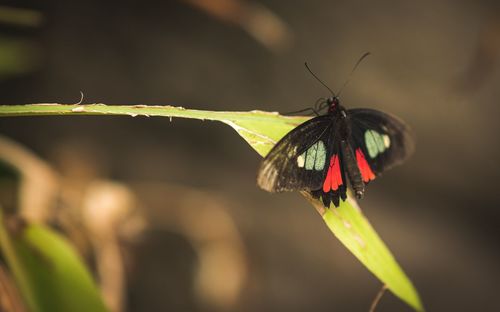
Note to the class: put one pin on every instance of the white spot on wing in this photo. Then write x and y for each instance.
(387, 141)
(301, 161)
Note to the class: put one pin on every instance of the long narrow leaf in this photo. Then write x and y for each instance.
(262, 130)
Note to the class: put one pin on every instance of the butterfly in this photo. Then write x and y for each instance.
(326, 152)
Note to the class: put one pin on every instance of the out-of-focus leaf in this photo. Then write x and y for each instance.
(18, 56)
(20, 16)
(257, 20)
(9, 185)
(49, 273)
(10, 298)
(262, 130)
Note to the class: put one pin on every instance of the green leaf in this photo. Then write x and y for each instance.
(48, 272)
(17, 56)
(346, 222)
(262, 130)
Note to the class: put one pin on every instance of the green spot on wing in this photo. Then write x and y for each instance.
(379, 141)
(374, 143)
(315, 156)
(371, 146)
(320, 156)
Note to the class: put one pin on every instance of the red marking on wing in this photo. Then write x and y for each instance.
(364, 167)
(333, 178)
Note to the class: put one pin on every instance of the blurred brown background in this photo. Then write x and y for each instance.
(434, 63)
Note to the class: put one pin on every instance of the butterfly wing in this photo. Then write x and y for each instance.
(380, 141)
(299, 161)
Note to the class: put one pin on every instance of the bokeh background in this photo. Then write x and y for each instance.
(434, 64)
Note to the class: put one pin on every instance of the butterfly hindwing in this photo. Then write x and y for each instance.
(300, 160)
(326, 153)
(379, 141)
(334, 184)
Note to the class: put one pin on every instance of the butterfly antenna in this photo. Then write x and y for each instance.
(311, 72)
(352, 71)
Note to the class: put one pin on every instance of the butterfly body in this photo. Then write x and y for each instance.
(324, 153)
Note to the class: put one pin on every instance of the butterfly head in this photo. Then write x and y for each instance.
(333, 104)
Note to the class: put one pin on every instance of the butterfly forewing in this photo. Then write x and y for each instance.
(381, 139)
(299, 161)
(322, 154)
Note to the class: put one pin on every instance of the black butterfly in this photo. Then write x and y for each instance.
(318, 155)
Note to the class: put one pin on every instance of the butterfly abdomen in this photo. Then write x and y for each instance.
(352, 169)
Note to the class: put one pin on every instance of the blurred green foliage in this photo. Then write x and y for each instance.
(47, 270)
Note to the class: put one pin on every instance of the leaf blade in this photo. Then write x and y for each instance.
(351, 227)
(262, 130)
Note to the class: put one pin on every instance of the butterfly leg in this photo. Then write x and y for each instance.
(309, 109)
